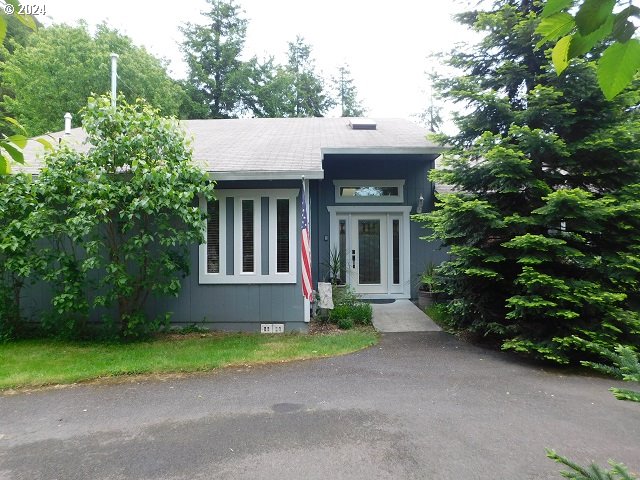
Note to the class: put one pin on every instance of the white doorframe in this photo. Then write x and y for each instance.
(392, 212)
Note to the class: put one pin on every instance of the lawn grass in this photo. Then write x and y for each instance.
(35, 363)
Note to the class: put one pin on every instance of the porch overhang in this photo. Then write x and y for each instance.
(426, 150)
(267, 175)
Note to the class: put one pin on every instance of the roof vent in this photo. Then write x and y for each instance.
(67, 123)
(362, 124)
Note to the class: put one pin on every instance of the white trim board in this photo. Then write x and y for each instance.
(267, 175)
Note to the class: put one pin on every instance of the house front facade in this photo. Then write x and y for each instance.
(363, 179)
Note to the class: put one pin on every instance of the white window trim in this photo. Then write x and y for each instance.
(366, 183)
(255, 277)
(403, 290)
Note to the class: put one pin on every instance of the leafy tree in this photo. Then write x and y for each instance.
(18, 254)
(60, 66)
(306, 96)
(11, 145)
(129, 205)
(218, 76)
(63, 227)
(270, 89)
(347, 93)
(544, 226)
(594, 25)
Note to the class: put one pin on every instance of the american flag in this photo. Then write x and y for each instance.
(307, 281)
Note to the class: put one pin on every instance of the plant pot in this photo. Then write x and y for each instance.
(425, 299)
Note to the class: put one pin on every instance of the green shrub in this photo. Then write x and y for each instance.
(360, 313)
(344, 295)
(439, 313)
(345, 323)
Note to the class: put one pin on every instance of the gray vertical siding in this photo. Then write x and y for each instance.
(238, 307)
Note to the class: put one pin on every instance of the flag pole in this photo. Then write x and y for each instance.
(305, 254)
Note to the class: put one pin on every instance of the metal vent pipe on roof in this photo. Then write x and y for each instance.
(114, 78)
(67, 123)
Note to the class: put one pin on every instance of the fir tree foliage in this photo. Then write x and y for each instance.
(346, 93)
(593, 472)
(217, 76)
(306, 94)
(544, 225)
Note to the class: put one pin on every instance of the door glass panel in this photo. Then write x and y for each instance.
(342, 242)
(396, 252)
(369, 252)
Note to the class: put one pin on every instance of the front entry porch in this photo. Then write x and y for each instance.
(373, 245)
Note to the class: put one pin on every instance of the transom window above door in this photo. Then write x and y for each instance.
(369, 191)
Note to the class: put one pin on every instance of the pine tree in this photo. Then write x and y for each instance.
(544, 229)
(218, 78)
(347, 93)
(307, 96)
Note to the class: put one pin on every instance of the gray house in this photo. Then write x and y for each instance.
(364, 178)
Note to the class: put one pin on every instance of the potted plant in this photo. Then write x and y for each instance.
(334, 267)
(426, 286)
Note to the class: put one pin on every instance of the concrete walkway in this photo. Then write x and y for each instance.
(401, 316)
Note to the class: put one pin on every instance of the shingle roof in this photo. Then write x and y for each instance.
(279, 147)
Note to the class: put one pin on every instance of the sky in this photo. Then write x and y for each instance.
(386, 44)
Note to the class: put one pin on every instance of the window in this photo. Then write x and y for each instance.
(369, 191)
(251, 237)
(282, 235)
(213, 237)
(248, 237)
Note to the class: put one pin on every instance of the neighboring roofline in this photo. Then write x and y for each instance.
(267, 175)
(436, 149)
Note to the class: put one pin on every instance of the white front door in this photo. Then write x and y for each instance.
(371, 248)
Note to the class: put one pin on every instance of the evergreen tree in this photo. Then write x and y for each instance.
(544, 229)
(431, 116)
(307, 96)
(347, 94)
(218, 78)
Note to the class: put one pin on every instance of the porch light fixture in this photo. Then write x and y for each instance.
(420, 204)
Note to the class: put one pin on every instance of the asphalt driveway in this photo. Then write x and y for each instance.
(419, 405)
